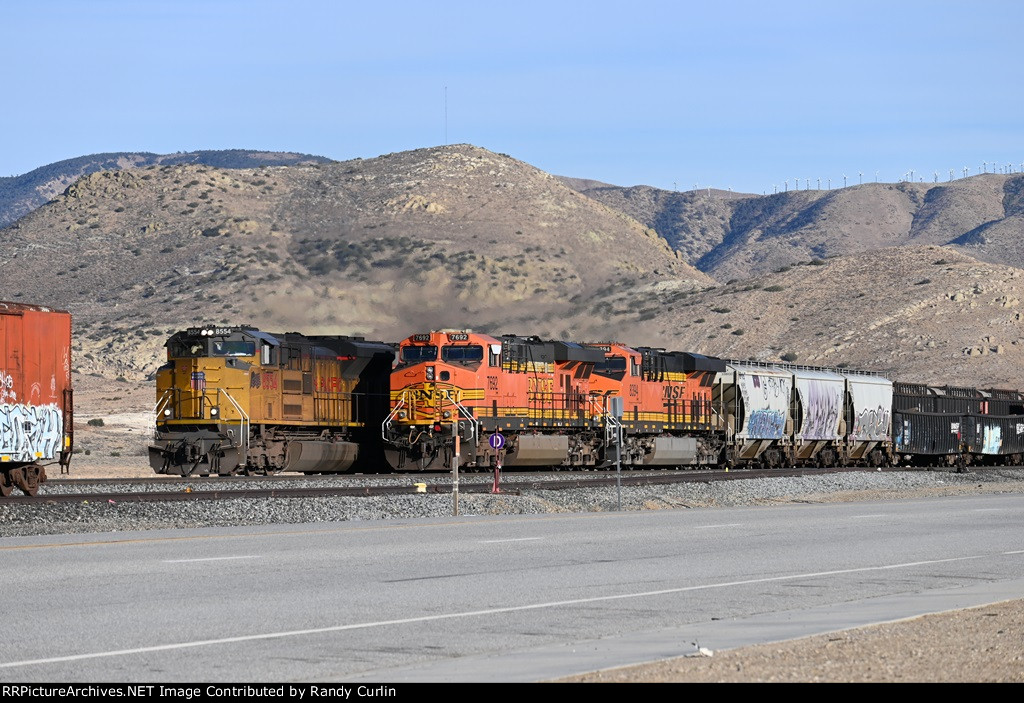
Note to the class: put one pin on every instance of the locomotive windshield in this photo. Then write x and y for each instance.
(187, 347)
(234, 348)
(610, 366)
(472, 352)
(412, 355)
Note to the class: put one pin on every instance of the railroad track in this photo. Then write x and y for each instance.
(163, 489)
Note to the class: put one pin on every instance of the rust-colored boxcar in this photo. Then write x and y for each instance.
(35, 394)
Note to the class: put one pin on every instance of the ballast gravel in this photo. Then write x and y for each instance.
(520, 498)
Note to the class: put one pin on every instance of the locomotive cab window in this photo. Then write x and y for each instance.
(471, 352)
(187, 348)
(268, 355)
(234, 348)
(413, 355)
(610, 366)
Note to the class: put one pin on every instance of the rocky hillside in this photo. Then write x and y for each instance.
(20, 195)
(925, 314)
(732, 236)
(453, 236)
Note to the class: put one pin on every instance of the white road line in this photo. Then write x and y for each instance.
(988, 510)
(185, 561)
(489, 611)
(715, 527)
(517, 539)
(870, 515)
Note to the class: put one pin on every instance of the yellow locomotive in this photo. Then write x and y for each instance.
(237, 400)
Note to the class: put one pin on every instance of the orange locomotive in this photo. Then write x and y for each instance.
(520, 399)
(667, 414)
(529, 402)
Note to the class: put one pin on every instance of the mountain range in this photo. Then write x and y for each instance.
(919, 281)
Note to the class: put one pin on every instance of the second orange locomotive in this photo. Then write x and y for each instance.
(548, 401)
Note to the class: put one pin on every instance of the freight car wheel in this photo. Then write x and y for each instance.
(33, 476)
(27, 479)
(6, 485)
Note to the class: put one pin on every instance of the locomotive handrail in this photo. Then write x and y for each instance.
(610, 420)
(244, 424)
(788, 366)
(161, 402)
(386, 425)
(463, 411)
(612, 425)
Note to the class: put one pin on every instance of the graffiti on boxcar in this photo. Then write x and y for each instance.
(30, 432)
(7, 392)
(872, 423)
(902, 438)
(824, 401)
(766, 423)
(993, 439)
(772, 387)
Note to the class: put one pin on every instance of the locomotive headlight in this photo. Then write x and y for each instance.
(446, 414)
(167, 412)
(430, 373)
(214, 412)
(402, 415)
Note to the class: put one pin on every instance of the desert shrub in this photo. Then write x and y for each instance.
(790, 356)
(95, 422)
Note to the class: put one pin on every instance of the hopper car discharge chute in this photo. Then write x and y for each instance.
(237, 400)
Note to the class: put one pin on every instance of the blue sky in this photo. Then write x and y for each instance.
(741, 95)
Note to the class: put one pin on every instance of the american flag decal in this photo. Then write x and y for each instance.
(199, 381)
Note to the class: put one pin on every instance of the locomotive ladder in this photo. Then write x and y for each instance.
(612, 424)
(243, 424)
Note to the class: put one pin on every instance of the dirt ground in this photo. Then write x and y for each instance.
(984, 644)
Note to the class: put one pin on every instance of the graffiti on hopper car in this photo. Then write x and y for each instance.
(30, 432)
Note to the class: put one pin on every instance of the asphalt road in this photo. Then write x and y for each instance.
(488, 599)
